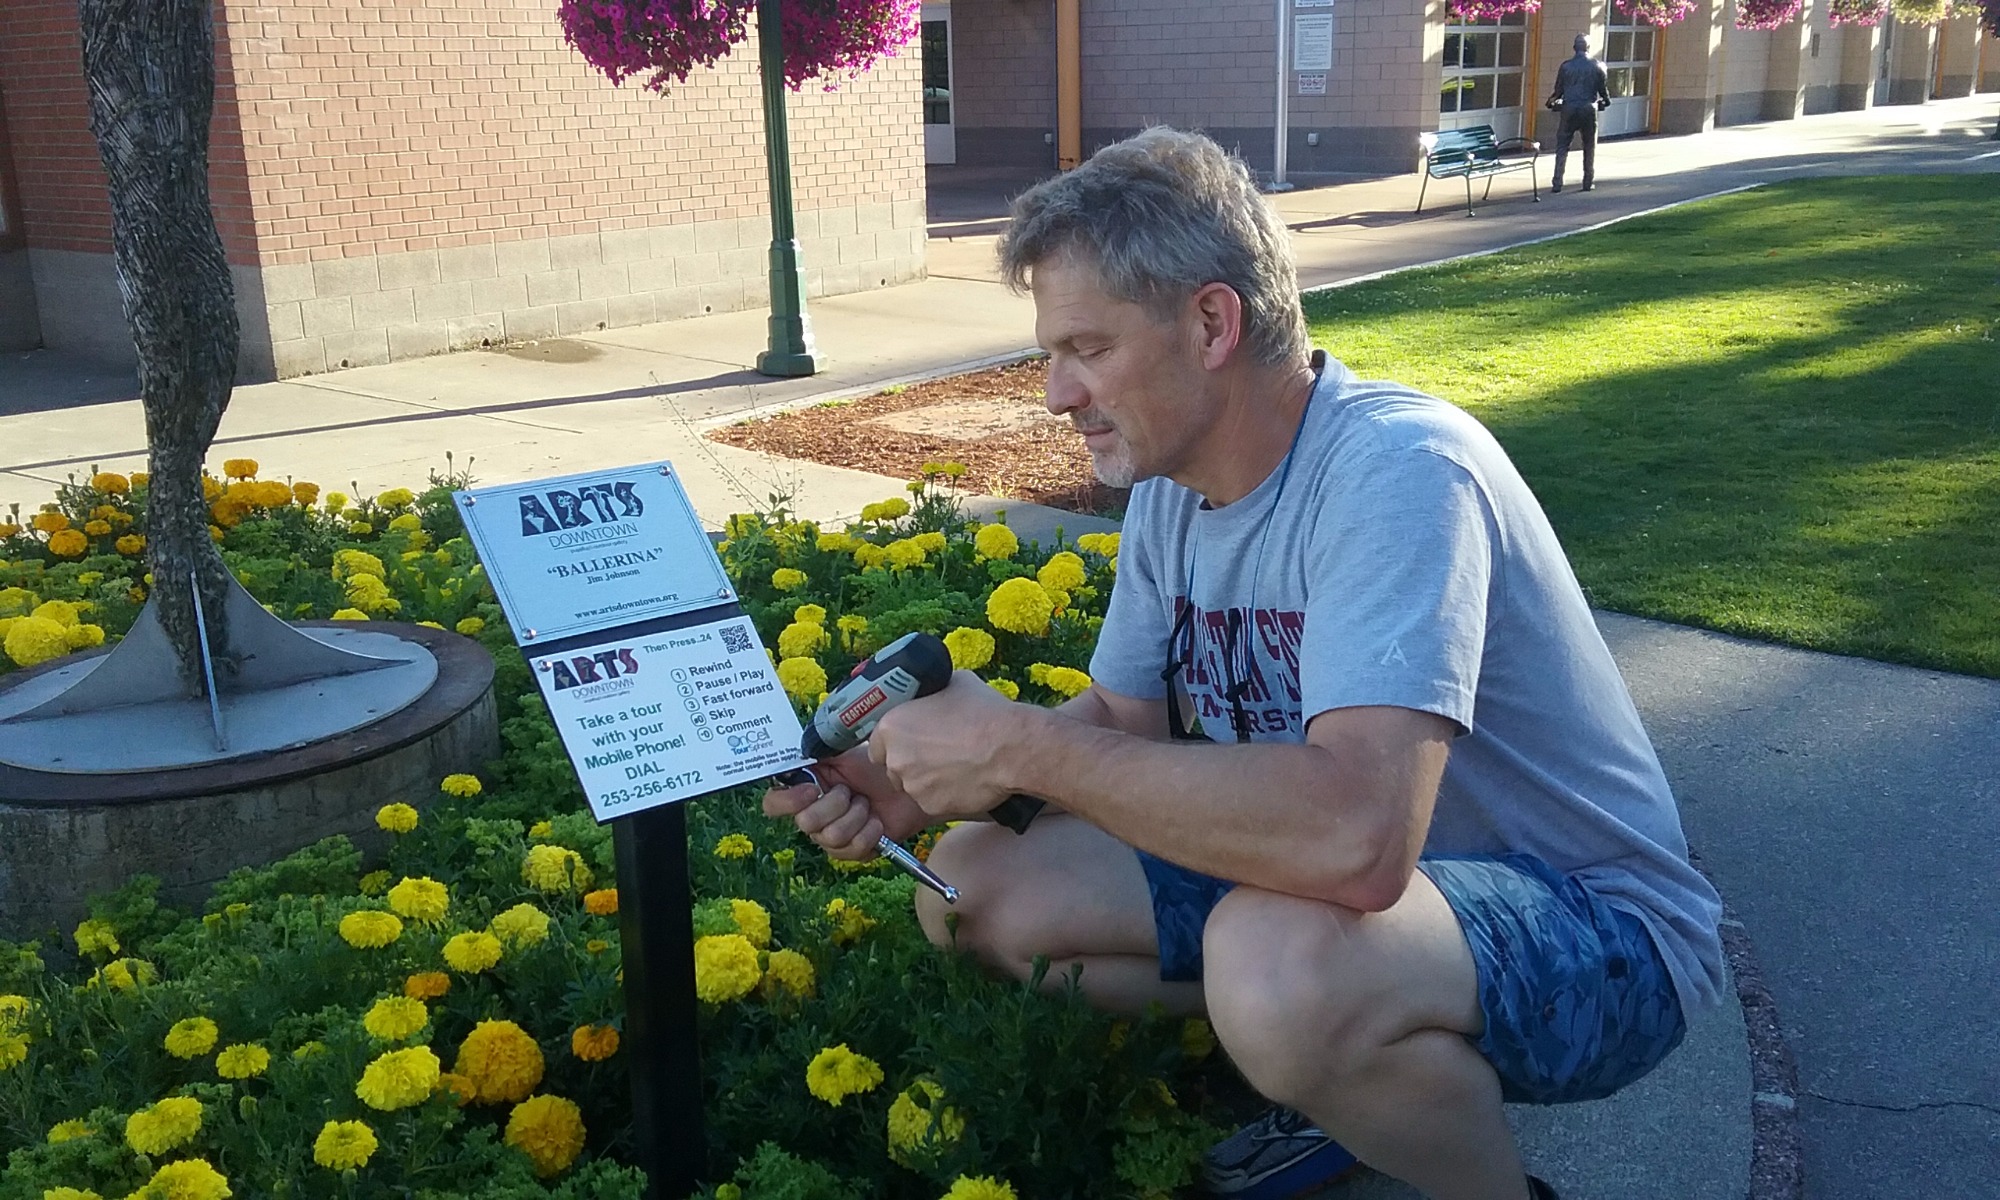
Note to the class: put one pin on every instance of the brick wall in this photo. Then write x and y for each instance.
(61, 184)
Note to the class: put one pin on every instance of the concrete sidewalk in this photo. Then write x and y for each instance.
(1847, 809)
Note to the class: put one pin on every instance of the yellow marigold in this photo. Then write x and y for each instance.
(734, 845)
(553, 869)
(349, 614)
(393, 1018)
(978, 1187)
(885, 510)
(8, 529)
(191, 1038)
(996, 541)
(245, 1060)
(344, 1145)
(869, 556)
(753, 921)
(396, 818)
(131, 545)
(502, 1061)
(970, 649)
(110, 484)
(171, 1122)
(33, 640)
(790, 970)
(1062, 573)
(97, 528)
(304, 494)
(371, 595)
(601, 903)
(239, 468)
(49, 522)
(904, 554)
(801, 678)
(802, 640)
(407, 523)
(13, 1049)
(70, 543)
(471, 626)
(396, 498)
(1020, 606)
(271, 494)
(124, 974)
(93, 936)
(188, 1179)
(787, 578)
(593, 1043)
(837, 1072)
(848, 921)
(541, 830)
(17, 602)
(399, 1079)
(725, 967)
(836, 543)
(427, 985)
(520, 927)
(920, 1124)
(82, 637)
(460, 785)
(1197, 1038)
(422, 899)
(1105, 544)
(472, 952)
(348, 563)
(13, 1013)
(370, 930)
(549, 1129)
(335, 501)
(1067, 681)
(69, 1193)
(69, 1131)
(374, 883)
(931, 542)
(596, 946)
(462, 1089)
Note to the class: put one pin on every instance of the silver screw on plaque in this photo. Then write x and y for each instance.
(469, 500)
(528, 633)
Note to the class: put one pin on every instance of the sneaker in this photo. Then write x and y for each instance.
(1555, 189)
(1275, 1155)
(1589, 187)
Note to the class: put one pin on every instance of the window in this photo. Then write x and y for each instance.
(937, 72)
(1483, 62)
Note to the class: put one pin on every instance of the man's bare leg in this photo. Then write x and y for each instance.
(1064, 889)
(1359, 1021)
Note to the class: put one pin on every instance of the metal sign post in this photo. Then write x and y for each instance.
(1282, 125)
(656, 930)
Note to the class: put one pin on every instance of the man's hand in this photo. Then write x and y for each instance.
(860, 806)
(949, 751)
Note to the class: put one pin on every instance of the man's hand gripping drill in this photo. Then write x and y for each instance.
(912, 666)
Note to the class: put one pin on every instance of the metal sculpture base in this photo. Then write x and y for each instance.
(277, 687)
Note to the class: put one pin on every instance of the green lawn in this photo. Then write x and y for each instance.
(1775, 414)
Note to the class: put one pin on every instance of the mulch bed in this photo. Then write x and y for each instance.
(1041, 461)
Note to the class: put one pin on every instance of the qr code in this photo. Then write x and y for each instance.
(735, 638)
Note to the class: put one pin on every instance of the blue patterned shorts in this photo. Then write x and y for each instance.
(1577, 999)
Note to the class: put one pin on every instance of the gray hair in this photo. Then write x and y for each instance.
(1160, 215)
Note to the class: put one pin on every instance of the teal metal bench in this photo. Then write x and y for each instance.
(1471, 153)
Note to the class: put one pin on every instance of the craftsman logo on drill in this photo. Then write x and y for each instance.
(593, 513)
(852, 714)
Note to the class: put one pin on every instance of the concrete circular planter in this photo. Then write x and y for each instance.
(67, 836)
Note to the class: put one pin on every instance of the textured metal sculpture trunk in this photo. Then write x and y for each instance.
(150, 66)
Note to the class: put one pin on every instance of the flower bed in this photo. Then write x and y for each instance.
(442, 1019)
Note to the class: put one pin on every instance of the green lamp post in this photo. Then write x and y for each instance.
(791, 352)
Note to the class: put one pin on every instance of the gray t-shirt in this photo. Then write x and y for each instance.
(1401, 560)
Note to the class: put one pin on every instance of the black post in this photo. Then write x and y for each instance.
(656, 925)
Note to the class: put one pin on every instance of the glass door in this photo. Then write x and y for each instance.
(1483, 65)
(1629, 48)
(940, 134)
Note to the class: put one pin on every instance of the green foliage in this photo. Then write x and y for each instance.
(1769, 414)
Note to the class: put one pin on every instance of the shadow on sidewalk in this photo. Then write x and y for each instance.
(34, 381)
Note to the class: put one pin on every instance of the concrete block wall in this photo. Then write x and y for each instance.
(1858, 49)
(1003, 90)
(1690, 69)
(361, 154)
(1958, 63)
(1821, 60)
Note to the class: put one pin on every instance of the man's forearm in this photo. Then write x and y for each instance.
(1297, 819)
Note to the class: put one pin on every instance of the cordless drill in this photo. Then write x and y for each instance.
(912, 666)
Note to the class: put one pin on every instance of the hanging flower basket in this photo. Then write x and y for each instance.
(1766, 14)
(665, 40)
(1856, 12)
(1489, 10)
(1657, 12)
(1922, 12)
